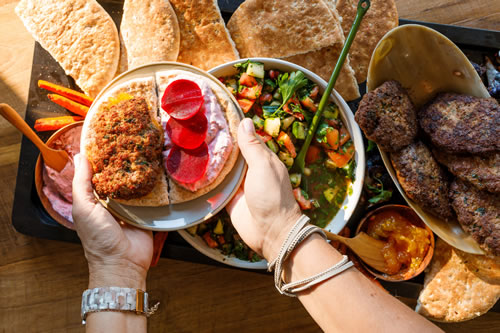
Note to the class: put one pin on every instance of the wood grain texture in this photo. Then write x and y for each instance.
(41, 281)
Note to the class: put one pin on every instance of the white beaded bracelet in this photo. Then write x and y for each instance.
(299, 232)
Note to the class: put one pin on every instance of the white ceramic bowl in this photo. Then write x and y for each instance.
(351, 200)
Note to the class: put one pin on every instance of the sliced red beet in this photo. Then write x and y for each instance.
(182, 99)
(187, 165)
(190, 133)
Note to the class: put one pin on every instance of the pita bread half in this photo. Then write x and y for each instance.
(150, 32)
(140, 87)
(79, 35)
(382, 17)
(177, 193)
(278, 29)
(452, 292)
(205, 41)
(485, 267)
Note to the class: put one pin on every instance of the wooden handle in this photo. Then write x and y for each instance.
(15, 119)
(334, 237)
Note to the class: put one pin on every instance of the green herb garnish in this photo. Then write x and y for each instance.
(382, 195)
(289, 85)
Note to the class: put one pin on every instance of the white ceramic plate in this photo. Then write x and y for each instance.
(351, 200)
(187, 214)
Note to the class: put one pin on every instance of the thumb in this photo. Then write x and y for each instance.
(82, 184)
(251, 147)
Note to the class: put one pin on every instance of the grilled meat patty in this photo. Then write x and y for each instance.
(481, 171)
(479, 214)
(462, 124)
(387, 116)
(127, 155)
(423, 179)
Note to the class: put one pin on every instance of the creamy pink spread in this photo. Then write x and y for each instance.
(218, 138)
(57, 186)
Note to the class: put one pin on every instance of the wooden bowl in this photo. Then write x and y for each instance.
(411, 216)
(39, 179)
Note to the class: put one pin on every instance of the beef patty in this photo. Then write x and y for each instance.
(126, 158)
(462, 124)
(423, 179)
(387, 116)
(479, 214)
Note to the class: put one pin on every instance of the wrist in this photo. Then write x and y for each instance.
(274, 240)
(124, 274)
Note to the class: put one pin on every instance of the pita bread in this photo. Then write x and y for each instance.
(382, 17)
(486, 268)
(205, 41)
(279, 29)
(79, 35)
(177, 193)
(141, 87)
(150, 32)
(452, 292)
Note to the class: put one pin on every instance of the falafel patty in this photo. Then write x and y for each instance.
(387, 116)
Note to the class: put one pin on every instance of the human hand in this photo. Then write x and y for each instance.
(264, 210)
(117, 254)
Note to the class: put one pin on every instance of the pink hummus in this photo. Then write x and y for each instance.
(57, 186)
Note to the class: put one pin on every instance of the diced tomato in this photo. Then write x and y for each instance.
(221, 239)
(333, 122)
(284, 140)
(222, 79)
(250, 92)
(314, 92)
(209, 240)
(265, 98)
(263, 136)
(313, 154)
(274, 74)
(308, 103)
(344, 135)
(292, 100)
(258, 109)
(301, 200)
(246, 104)
(332, 137)
(247, 80)
(342, 156)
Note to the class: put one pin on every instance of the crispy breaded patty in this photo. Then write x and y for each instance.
(479, 214)
(127, 155)
(423, 179)
(387, 116)
(481, 171)
(462, 124)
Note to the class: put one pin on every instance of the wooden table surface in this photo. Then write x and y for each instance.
(41, 281)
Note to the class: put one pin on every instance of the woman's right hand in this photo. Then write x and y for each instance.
(264, 209)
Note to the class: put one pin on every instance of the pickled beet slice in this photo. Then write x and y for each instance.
(187, 165)
(182, 99)
(190, 133)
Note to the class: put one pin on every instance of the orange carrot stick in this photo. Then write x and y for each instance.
(55, 123)
(66, 92)
(74, 107)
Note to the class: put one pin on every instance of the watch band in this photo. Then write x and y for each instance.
(115, 299)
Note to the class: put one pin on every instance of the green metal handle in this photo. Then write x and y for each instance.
(363, 6)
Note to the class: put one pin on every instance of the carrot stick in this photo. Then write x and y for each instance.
(66, 92)
(158, 241)
(55, 123)
(74, 107)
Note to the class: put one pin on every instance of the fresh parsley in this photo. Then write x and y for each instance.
(381, 194)
(371, 145)
(288, 85)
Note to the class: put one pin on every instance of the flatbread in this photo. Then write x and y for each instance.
(205, 41)
(150, 32)
(79, 35)
(486, 268)
(178, 194)
(452, 292)
(380, 18)
(141, 87)
(279, 29)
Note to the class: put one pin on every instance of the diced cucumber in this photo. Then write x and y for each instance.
(256, 69)
(330, 194)
(331, 111)
(295, 179)
(329, 164)
(219, 228)
(285, 123)
(192, 230)
(299, 130)
(272, 126)
(275, 103)
(278, 96)
(273, 146)
(232, 83)
(258, 122)
(286, 159)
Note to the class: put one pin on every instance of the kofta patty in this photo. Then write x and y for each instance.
(479, 214)
(462, 124)
(387, 116)
(126, 156)
(481, 171)
(423, 179)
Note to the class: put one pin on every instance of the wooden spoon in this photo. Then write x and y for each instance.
(56, 159)
(366, 248)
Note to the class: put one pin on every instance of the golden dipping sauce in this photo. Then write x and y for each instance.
(406, 244)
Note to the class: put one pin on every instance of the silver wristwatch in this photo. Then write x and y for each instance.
(115, 299)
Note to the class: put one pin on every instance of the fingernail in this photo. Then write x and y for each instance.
(76, 160)
(248, 126)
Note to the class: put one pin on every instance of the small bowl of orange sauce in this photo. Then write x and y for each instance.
(409, 243)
